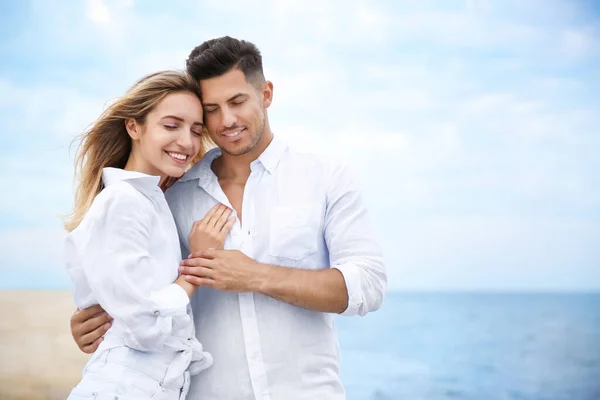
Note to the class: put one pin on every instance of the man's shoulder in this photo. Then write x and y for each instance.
(321, 161)
(177, 190)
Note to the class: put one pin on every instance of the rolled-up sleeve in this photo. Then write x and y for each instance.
(170, 301)
(120, 271)
(351, 243)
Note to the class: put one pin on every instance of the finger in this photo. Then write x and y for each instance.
(197, 224)
(223, 219)
(89, 338)
(197, 262)
(94, 324)
(196, 271)
(92, 347)
(210, 214)
(207, 254)
(217, 214)
(227, 227)
(194, 280)
(86, 313)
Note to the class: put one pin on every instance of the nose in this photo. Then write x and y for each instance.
(185, 139)
(228, 118)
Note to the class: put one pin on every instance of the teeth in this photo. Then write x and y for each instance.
(233, 134)
(178, 156)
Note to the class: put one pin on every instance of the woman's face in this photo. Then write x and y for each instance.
(170, 137)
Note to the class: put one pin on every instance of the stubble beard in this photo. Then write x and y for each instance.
(255, 138)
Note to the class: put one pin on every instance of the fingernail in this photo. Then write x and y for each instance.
(106, 326)
(180, 269)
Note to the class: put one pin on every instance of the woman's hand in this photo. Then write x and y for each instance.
(210, 232)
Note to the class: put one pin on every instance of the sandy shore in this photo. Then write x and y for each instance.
(39, 359)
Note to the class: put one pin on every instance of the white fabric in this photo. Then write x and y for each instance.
(122, 373)
(124, 256)
(299, 211)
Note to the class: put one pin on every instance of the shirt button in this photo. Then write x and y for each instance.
(157, 313)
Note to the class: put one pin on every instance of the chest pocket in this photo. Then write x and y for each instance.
(295, 230)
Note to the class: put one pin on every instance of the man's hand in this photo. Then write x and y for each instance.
(88, 327)
(322, 290)
(228, 270)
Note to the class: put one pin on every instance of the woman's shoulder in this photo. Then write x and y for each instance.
(122, 193)
(119, 199)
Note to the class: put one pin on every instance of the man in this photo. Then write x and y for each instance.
(300, 251)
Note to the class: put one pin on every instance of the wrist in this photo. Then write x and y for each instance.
(261, 278)
(185, 285)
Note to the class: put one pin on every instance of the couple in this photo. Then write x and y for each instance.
(284, 243)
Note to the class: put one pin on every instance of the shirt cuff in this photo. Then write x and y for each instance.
(171, 301)
(352, 276)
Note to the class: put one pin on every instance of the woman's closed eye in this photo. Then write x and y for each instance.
(170, 127)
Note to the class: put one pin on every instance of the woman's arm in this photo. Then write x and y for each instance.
(115, 256)
(88, 326)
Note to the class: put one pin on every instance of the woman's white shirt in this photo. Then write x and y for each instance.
(124, 256)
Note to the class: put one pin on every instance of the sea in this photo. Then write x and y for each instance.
(500, 346)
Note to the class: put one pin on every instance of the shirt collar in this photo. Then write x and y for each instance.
(272, 155)
(269, 159)
(110, 176)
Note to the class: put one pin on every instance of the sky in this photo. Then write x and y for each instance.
(473, 126)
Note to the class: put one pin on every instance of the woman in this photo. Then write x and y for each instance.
(122, 250)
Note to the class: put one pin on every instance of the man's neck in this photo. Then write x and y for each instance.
(237, 168)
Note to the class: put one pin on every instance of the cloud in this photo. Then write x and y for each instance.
(97, 11)
(472, 125)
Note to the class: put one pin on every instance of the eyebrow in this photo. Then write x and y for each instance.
(181, 119)
(234, 97)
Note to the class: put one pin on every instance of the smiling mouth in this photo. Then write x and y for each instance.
(235, 133)
(178, 157)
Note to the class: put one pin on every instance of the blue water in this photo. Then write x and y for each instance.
(475, 347)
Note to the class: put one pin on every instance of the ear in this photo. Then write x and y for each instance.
(267, 93)
(133, 128)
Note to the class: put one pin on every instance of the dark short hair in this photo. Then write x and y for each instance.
(216, 57)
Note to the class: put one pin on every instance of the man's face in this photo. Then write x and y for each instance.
(234, 111)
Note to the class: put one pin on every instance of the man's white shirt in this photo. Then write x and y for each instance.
(300, 211)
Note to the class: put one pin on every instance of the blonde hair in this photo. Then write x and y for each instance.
(107, 144)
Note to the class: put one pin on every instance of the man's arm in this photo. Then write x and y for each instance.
(232, 270)
(318, 290)
(354, 285)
